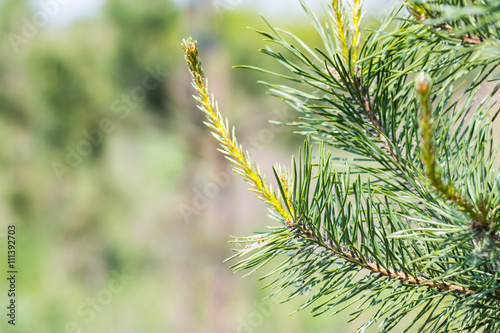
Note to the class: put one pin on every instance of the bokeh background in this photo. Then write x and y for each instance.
(122, 204)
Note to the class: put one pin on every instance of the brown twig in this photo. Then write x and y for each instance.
(374, 267)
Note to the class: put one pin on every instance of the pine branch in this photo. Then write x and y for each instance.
(363, 100)
(357, 17)
(375, 267)
(479, 217)
(242, 163)
(339, 17)
(250, 172)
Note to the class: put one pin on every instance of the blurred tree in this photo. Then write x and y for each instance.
(144, 39)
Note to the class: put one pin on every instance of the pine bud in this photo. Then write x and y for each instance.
(423, 84)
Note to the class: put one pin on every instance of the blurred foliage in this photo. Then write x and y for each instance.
(86, 209)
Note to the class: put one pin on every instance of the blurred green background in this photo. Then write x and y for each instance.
(122, 204)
